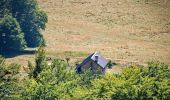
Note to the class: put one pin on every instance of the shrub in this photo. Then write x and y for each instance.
(55, 81)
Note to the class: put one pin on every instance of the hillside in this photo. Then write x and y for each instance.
(122, 30)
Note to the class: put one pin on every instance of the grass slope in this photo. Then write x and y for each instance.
(122, 30)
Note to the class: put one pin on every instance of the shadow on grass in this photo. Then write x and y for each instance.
(11, 54)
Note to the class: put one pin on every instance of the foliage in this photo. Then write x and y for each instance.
(9, 88)
(4, 8)
(110, 64)
(39, 61)
(134, 82)
(57, 81)
(31, 20)
(10, 34)
(21, 22)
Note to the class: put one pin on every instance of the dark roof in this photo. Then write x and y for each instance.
(101, 60)
(86, 60)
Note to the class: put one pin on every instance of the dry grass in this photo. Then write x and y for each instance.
(127, 30)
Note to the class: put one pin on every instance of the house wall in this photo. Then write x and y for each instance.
(91, 65)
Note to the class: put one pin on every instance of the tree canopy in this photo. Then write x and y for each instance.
(58, 81)
(11, 35)
(28, 21)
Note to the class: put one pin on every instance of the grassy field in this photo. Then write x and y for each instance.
(125, 31)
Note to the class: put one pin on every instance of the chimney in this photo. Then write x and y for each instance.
(96, 59)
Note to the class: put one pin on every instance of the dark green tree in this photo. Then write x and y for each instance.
(11, 36)
(4, 8)
(31, 19)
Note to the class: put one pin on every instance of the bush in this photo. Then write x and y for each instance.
(9, 85)
(56, 81)
(133, 83)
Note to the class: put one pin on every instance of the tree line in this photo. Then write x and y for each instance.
(21, 22)
(58, 81)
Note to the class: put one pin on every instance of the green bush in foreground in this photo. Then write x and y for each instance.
(57, 81)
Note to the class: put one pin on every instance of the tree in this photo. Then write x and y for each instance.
(4, 8)
(28, 19)
(31, 19)
(40, 59)
(56, 81)
(11, 36)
